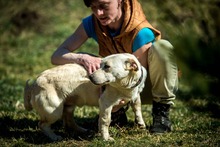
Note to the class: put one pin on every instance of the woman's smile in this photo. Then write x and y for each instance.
(103, 20)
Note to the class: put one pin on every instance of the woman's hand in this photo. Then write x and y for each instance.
(90, 63)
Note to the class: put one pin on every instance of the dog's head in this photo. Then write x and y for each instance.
(118, 70)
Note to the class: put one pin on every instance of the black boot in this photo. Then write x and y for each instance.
(161, 122)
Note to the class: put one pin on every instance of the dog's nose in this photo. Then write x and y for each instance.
(94, 80)
(91, 79)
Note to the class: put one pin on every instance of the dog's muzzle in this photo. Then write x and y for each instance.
(92, 80)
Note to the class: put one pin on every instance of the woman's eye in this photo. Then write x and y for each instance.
(104, 6)
(100, 7)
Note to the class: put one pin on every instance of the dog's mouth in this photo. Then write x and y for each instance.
(97, 82)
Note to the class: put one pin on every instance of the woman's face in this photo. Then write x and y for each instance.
(107, 11)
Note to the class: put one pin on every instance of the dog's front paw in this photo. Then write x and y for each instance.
(99, 136)
(109, 139)
(141, 126)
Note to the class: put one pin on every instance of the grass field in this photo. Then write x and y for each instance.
(31, 31)
(193, 126)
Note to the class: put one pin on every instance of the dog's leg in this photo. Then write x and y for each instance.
(49, 114)
(69, 123)
(105, 109)
(45, 127)
(136, 107)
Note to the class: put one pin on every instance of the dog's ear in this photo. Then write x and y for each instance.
(130, 64)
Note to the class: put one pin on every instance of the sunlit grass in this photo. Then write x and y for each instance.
(190, 128)
(25, 51)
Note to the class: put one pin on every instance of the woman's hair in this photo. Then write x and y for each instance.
(88, 2)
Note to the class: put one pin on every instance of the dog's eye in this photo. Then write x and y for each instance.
(106, 66)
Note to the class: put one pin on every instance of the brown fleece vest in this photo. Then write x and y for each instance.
(134, 21)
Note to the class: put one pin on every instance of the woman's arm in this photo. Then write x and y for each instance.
(64, 54)
(142, 54)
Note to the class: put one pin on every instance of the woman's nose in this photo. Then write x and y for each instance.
(99, 12)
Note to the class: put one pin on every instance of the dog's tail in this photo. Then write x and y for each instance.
(27, 96)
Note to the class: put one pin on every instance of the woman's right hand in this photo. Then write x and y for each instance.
(90, 63)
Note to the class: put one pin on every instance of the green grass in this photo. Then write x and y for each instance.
(190, 128)
(31, 31)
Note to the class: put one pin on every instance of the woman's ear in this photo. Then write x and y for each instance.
(130, 64)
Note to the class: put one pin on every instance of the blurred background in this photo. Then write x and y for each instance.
(31, 31)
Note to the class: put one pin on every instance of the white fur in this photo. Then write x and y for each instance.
(57, 91)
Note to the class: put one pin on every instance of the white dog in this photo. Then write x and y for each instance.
(57, 91)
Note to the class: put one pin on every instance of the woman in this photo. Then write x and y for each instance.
(120, 26)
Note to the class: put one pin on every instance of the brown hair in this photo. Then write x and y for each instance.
(88, 2)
